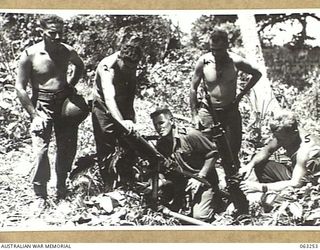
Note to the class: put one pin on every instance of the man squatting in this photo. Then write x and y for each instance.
(196, 154)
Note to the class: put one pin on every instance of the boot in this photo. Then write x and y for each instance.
(40, 190)
(239, 200)
(40, 202)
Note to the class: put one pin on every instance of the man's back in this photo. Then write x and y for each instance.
(309, 147)
(105, 67)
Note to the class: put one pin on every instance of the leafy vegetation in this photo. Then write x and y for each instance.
(164, 81)
(299, 40)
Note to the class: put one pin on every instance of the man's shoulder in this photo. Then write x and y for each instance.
(190, 132)
(205, 59)
(309, 141)
(110, 58)
(67, 46)
(207, 56)
(107, 62)
(34, 49)
(235, 57)
(309, 146)
(197, 140)
(308, 137)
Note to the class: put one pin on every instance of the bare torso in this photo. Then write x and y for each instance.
(110, 77)
(221, 84)
(123, 85)
(309, 144)
(49, 70)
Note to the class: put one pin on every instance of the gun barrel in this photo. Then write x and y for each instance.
(184, 218)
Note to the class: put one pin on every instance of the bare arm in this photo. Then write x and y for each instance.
(248, 68)
(265, 152)
(296, 180)
(260, 157)
(106, 75)
(196, 79)
(132, 98)
(23, 76)
(79, 67)
(299, 172)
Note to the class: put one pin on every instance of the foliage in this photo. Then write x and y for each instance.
(81, 208)
(255, 127)
(13, 121)
(18, 32)
(6, 61)
(96, 36)
(93, 36)
(291, 66)
(163, 83)
(305, 102)
(299, 39)
(205, 24)
(172, 76)
(21, 29)
(290, 207)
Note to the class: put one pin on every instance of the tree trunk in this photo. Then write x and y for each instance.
(262, 96)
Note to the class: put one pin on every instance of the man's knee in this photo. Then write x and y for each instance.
(203, 208)
(203, 214)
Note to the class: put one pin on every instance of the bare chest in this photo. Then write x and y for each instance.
(44, 65)
(220, 74)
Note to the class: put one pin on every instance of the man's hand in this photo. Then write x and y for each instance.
(250, 186)
(246, 171)
(128, 124)
(38, 124)
(196, 121)
(194, 186)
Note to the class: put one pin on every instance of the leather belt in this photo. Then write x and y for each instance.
(51, 96)
(219, 109)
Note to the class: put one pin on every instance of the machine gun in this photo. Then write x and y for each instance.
(159, 162)
(228, 162)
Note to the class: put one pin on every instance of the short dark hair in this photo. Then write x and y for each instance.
(284, 121)
(49, 19)
(131, 52)
(219, 35)
(160, 111)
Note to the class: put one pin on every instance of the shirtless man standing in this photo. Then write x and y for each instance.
(44, 65)
(113, 98)
(218, 70)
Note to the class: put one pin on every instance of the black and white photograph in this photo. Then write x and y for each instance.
(159, 119)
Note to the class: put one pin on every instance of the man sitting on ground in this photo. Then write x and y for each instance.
(303, 149)
(193, 149)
